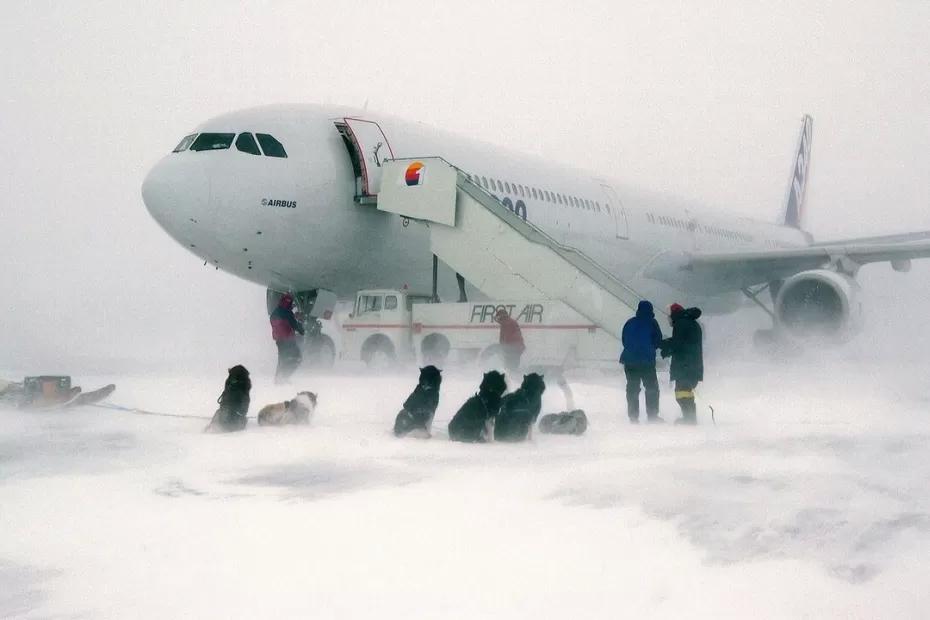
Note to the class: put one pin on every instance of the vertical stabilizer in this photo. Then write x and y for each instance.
(797, 184)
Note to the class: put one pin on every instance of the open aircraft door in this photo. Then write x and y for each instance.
(371, 148)
(616, 209)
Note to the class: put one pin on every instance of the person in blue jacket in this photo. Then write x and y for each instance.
(641, 336)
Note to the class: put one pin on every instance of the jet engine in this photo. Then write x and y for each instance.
(819, 303)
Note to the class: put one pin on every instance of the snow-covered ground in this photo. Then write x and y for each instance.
(809, 498)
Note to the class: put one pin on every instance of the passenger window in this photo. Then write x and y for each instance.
(533, 191)
(370, 303)
(246, 143)
(484, 181)
(507, 187)
(212, 141)
(271, 146)
(390, 302)
(522, 193)
(185, 143)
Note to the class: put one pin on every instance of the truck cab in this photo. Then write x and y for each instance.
(378, 330)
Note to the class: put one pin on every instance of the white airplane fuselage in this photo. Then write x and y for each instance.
(293, 223)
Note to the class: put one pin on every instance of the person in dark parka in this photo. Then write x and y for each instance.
(686, 350)
(520, 409)
(474, 421)
(416, 418)
(641, 336)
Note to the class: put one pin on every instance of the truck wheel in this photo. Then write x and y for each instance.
(378, 353)
(492, 358)
(435, 350)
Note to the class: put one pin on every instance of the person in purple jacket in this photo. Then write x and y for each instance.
(284, 330)
(641, 337)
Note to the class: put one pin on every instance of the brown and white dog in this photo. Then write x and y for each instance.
(296, 411)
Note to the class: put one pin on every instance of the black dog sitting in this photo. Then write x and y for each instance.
(234, 403)
(416, 418)
(573, 422)
(519, 410)
(474, 421)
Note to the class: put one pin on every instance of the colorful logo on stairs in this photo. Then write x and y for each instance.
(414, 174)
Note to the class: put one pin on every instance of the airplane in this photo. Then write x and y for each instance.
(283, 196)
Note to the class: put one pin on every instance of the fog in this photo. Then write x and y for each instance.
(702, 100)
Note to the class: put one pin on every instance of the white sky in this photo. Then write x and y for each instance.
(700, 99)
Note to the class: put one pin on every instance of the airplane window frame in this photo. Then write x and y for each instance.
(248, 135)
(275, 143)
(218, 141)
(185, 143)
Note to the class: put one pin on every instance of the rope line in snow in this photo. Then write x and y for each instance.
(146, 412)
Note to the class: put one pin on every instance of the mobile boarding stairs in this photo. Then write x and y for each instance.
(499, 252)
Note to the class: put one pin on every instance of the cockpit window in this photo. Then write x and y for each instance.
(184, 144)
(213, 141)
(270, 145)
(246, 143)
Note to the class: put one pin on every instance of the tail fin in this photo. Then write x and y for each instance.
(797, 187)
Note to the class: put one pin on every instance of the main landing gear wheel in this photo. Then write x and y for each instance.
(320, 353)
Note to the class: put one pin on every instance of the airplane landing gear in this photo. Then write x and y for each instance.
(318, 349)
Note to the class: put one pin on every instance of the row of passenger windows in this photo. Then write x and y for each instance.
(526, 191)
(246, 143)
(675, 222)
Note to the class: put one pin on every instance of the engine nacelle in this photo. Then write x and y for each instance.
(819, 303)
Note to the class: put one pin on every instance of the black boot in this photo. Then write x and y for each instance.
(688, 412)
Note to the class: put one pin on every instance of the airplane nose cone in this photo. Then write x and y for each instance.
(176, 193)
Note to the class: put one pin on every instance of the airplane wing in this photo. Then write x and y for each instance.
(730, 271)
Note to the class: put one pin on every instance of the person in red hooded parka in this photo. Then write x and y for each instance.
(511, 340)
(284, 327)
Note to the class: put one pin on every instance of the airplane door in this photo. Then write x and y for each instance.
(615, 207)
(372, 148)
